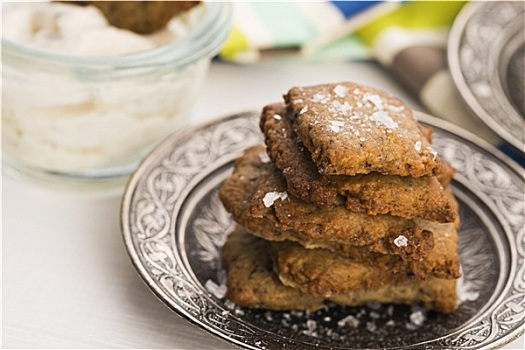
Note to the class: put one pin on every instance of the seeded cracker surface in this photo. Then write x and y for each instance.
(252, 283)
(408, 197)
(350, 129)
(252, 180)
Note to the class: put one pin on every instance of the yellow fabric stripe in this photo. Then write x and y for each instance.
(235, 43)
(416, 14)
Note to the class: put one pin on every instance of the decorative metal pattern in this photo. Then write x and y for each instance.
(174, 226)
(485, 45)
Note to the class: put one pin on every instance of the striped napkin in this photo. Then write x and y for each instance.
(408, 38)
(306, 29)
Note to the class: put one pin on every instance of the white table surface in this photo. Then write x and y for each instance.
(67, 279)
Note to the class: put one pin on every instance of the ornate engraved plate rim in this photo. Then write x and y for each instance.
(169, 280)
(476, 79)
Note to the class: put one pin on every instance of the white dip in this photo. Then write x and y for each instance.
(56, 118)
(78, 30)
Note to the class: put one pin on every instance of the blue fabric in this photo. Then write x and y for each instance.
(513, 153)
(351, 8)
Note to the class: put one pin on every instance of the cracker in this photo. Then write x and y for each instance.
(352, 129)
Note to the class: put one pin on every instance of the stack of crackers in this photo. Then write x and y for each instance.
(347, 202)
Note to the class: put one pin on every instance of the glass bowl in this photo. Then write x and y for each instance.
(91, 119)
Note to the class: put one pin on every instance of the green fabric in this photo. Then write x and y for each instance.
(286, 25)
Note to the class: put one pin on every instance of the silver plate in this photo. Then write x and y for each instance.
(174, 226)
(486, 53)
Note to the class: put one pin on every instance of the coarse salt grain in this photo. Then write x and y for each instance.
(390, 323)
(271, 197)
(264, 157)
(238, 312)
(342, 108)
(417, 146)
(296, 313)
(277, 117)
(464, 290)
(383, 118)
(371, 327)
(268, 316)
(229, 304)
(374, 315)
(340, 91)
(417, 318)
(396, 109)
(311, 327)
(348, 320)
(216, 290)
(375, 99)
(320, 98)
(401, 241)
(336, 125)
(304, 110)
